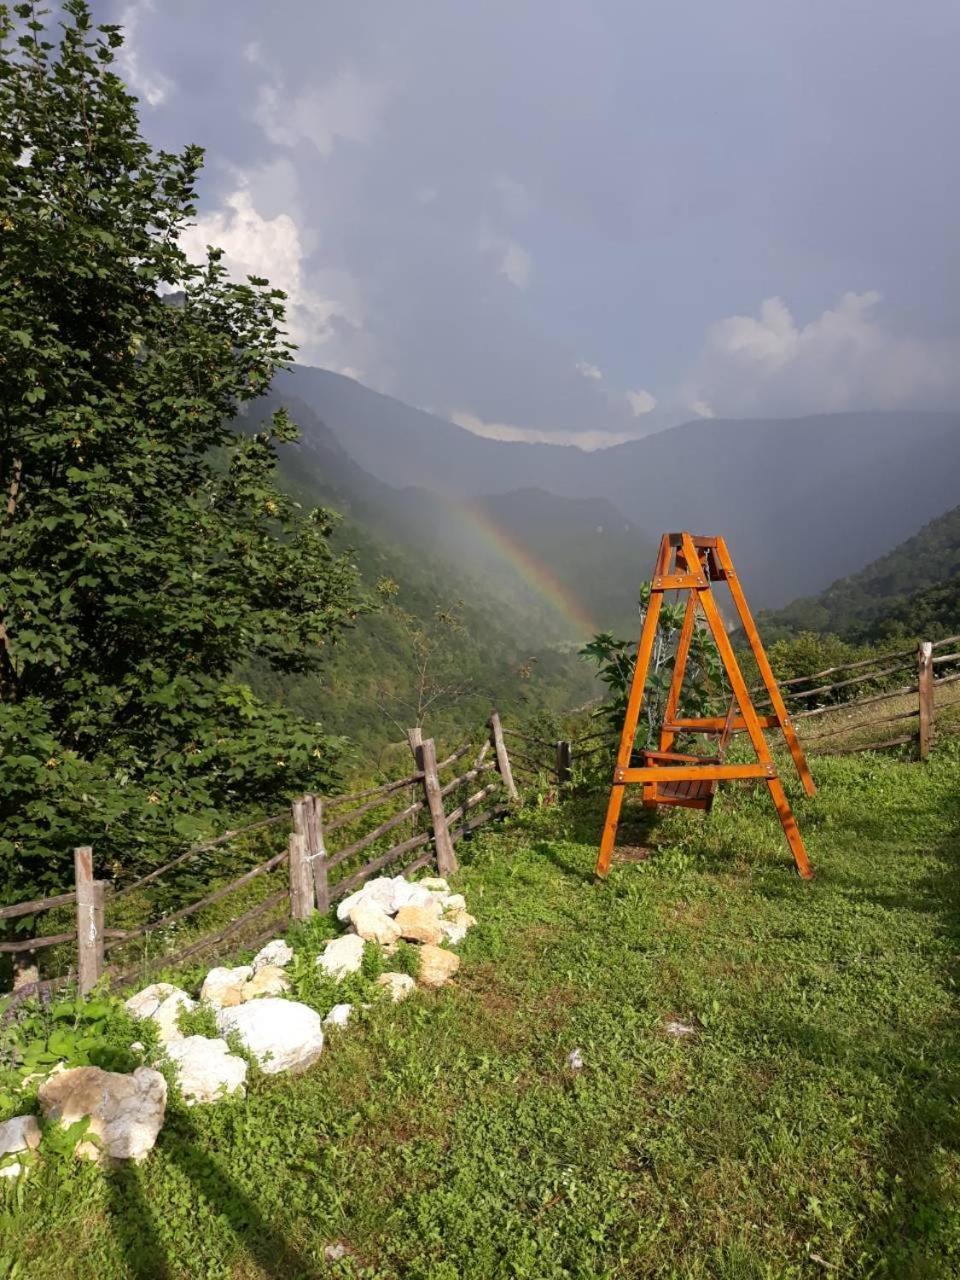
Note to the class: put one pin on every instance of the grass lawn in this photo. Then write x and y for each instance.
(811, 1128)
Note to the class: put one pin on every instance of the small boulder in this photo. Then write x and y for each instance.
(380, 891)
(406, 894)
(452, 902)
(338, 1016)
(282, 1035)
(372, 923)
(399, 985)
(278, 953)
(126, 1111)
(435, 884)
(223, 988)
(419, 924)
(268, 981)
(161, 1003)
(342, 956)
(206, 1069)
(22, 1133)
(456, 924)
(437, 966)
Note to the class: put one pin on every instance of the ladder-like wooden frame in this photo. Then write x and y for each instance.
(692, 564)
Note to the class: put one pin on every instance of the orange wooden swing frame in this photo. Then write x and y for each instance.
(668, 777)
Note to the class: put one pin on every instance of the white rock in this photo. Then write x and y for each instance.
(342, 956)
(268, 981)
(206, 1069)
(277, 953)
(223, 988)
(338, 1016)
(161, 1003)
(452, 902)
(380, 891)
(575, 1059)
(282, 1035)
(126, 1111)
(406, 894)
(334, 1252)
(452, 933)
(22, 1133)
(372, 923)
(680, 1030)
(435, 884)
(399, 985)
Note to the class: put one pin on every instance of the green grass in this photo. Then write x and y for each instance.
(810, 1129)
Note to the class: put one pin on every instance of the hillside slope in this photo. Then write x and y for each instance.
(801, 501)
(913, 590)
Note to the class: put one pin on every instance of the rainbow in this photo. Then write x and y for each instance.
(537, 576)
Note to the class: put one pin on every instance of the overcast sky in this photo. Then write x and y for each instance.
(583, 220)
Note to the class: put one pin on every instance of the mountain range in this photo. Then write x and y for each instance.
(801, 501)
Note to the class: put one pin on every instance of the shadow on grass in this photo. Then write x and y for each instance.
(135, 1224)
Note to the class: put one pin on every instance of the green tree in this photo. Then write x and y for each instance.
(145, 548)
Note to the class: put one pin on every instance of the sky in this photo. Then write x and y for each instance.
(582, 222)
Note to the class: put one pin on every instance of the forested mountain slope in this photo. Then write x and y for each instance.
(913, 590)
(801, 501)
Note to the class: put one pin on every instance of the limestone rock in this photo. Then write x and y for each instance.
(278, 953)
(22, 1133)
(161, 1003)
(342, 956)
(126, 1111)
(372, 923)
(452, 902)
(282, 1035)
(398, 984)
(223, 988)
(406, 894)
(437, 966)
(206, 1069)
(455, 925)
(419, 924)
(338, 1016)
(268, 981)
(435, 884)
(380, 891)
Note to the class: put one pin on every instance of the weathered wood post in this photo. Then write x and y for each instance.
(318, 854)
(925, 687)
(563, 763)
(89, 920)
(503, 760)
(301, 881)
(425, 753)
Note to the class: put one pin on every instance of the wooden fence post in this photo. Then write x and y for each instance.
(563, 763)
(503, 760)
(925, 687)
(318, 855)
(426, 756)
(301, 875)
(89, 920)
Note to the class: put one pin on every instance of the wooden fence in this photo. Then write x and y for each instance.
(822, 712)
(315, 873)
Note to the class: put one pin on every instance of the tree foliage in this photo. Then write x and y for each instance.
(145, 548)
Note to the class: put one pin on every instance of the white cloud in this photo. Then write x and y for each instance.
(587, 440)
(846, 358)
(587, 370)
(346, 108)
(513, 261)
(272, 248)
(151, 86)
(641, 402)
(702, 409)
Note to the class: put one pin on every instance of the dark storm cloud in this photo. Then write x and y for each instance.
(548, 215)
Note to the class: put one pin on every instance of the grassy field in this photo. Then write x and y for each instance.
(809, 1128)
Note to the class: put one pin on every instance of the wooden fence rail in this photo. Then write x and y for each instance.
(311, 882)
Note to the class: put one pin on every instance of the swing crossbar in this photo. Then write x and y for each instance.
(715, 724)
(694, 773)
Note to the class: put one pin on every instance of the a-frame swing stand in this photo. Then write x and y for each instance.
(691, 564)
